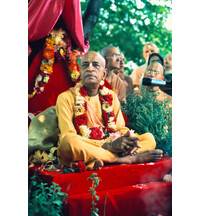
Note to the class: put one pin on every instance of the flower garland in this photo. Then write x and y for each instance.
(73, 66)
(81, 119)
(56, 48)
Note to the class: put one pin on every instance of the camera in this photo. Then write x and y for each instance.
(165, 85)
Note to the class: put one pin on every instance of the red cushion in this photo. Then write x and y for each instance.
(148, 199)
(113, 176)
(127, 190)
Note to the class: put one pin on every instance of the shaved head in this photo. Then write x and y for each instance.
(149, 48)
(92, 55)
(112, 56)
(107, 51)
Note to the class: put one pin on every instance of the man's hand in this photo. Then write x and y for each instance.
(124, 144)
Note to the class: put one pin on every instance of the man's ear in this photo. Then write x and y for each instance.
(107, 61)
(81, 75)
(163, 74)
(105, 73)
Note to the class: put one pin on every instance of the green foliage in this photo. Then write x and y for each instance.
(146, 114)
(45, 198)
(95, 182)
(166, 145)
(129, 24)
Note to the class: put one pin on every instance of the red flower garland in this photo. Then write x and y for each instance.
(96, 133)
(56, 48)
(81, 120)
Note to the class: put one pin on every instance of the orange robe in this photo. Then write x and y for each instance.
(137, 75)
(119, 86)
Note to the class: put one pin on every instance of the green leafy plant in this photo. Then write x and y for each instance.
(129, 24)
(95, 182)
(146, 114)
(45, 197)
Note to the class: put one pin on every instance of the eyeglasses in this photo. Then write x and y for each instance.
(153, 72)
(150, 51)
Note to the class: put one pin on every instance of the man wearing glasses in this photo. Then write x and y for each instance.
(155, 70)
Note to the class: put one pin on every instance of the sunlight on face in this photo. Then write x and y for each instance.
(92, 68)
(148, 49)
(155, 70)
(113, 58)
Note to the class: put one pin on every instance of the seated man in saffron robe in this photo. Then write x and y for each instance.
(113, 57)
(123, 76)
(91, 124)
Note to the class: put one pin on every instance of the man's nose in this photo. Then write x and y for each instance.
(118, 59)
(90, 66)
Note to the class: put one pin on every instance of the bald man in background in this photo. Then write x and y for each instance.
(113, 57)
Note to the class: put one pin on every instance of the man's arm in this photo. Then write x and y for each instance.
(124, 144)
(118, 86)
(137, 76)
(64, 110)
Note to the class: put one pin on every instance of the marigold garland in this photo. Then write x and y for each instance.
(81, 119)
(56, 48)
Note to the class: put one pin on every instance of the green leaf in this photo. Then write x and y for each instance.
(115, 27)
(94, 213)
(45, 199)
(146, 114)
(57, 202)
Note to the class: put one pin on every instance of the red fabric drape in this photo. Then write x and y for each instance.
(113, 177)
(150, 199)
(59, 81)
(73, 20)
(124, 190)
(43, 15)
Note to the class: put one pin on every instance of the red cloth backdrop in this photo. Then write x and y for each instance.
(59, 81)
(73, 20)
(42, 16)
(150, 199)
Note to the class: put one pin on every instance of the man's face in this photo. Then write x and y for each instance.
(155, 70)
(92, 69)
(147, 50)
(113, 59)
(168, 62)
(122, 60)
